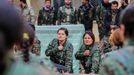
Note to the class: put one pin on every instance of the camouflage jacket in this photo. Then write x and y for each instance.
(67, 16)
(111, 18)
(104, 45)
(90, 63)
(36, 49)
(105, 55)
(33, 67)
(35, 62)
(28, 14)
(119, 62)
(46, 17)
(100, 13)
(85, 13)
(64, 57)
(57, 4)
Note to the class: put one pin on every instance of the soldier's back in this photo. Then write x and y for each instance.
(119, 62)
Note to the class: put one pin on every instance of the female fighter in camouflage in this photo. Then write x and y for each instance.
(60, 50)
(89, 54)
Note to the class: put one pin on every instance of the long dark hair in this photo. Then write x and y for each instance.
(91, 35)
(65, 30)
(10, 31)
(27, 41)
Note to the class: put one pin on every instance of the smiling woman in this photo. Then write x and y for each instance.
(60, 51)
(88, 55)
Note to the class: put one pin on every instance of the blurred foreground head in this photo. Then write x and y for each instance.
(11, 26)
(127, 21)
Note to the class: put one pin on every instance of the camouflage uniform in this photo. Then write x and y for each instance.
(95, 3)
(100, 13)
(119, 62)
(85, 16)
(35, 64)
(67, 16)
(90, 63)
(33, 67)
(111, 18)
(64, 57)
(105, 55)
(104, 47)
(57, 4)
(46, 16)
(123, 6)
(28, 14)
(36, 46)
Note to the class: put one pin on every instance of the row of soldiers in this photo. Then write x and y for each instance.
(106, 14)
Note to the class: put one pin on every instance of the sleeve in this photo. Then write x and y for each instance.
(76, 16)
(79, 18)
(59, 15)
(107, 47)
(92, 13)
(32, 16)
(36, 48)
(98, 15)
(40, 17)
(69, 58)
(95, 61)
(80, 54)
(111, 66)
(107, 18)
(51, 49)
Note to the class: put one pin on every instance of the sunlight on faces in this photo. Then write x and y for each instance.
(61, 35)
(88, 40)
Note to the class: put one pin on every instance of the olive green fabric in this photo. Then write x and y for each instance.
(47, 33)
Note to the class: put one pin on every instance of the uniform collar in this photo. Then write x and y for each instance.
(64, 42)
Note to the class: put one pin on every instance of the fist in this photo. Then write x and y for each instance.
(60, 47)
(100, 25)
(65, 73)
(87, 53)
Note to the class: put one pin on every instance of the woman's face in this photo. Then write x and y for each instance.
(48, 4)
(61, 35)
(88, 40)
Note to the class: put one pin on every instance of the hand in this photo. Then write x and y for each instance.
(65, 73)
(92, 74)
(87, 53)
(100, 25)
(60, 47)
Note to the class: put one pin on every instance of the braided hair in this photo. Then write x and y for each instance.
(27, 42)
